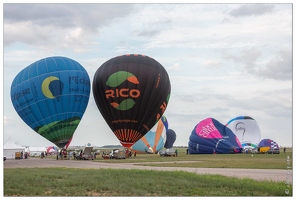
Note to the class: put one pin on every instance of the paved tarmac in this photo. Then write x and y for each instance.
(256, 174)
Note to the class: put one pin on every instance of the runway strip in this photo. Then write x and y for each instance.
(256, 174)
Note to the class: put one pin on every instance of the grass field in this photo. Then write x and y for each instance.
(257, 161)
(121, 182)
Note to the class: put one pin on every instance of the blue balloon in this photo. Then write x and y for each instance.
(154, 140)
(268, 143)
(170, 139)
(51, 96)
(210, 136)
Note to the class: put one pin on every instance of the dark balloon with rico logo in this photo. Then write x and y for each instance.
(132, 93)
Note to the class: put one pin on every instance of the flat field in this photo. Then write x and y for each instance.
(120, 177)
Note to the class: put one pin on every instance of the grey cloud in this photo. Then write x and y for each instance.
(202, 95)
(65, 15)
(250, 56)
(252, 9)
(247, 57)
(280, 111)
(193, 97)
(219, 109)
(147, 33)
(88, 17)
(266, 102)
(279, 68)
(180, 116)
(41, 14)
(152, 30)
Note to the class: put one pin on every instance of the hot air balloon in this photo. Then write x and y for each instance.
(132, 93)
(51, 96)
(210, 136)
(51, 149)
(170, 138)
(247, 130)
(269, 146)
(154, 140)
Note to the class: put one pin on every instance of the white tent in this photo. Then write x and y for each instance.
(10, 148)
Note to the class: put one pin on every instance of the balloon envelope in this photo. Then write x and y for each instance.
(131, 92)
(246, 129)
(51, 96)
(209, 135)
(170, 138)
(51, 149)
(268, 143)
(154, 140)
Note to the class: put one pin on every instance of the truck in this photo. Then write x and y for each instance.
(117, 154)
(168, 152)
(86, 153)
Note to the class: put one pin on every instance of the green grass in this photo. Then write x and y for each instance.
(121, 182)
(257, 161)
(117, 182)
(246, 161)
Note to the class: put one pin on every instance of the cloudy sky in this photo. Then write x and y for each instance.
(223, 60)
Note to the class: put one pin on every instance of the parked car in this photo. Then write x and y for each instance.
(167, 152)
(112, 153)
(273, 151)
(4, 158)
(255, 150)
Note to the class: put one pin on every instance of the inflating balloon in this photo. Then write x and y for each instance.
(170, 138)
(247, 130)
(210, 136)
(51, 96)
(51, 149)
(154, 140)
(132, 93)
(268, 143)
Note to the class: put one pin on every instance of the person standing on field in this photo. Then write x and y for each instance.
(176, 151)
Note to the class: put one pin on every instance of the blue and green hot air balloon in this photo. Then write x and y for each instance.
(51, 96)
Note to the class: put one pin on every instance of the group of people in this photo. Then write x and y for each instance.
(62, 154)
(24, 155)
